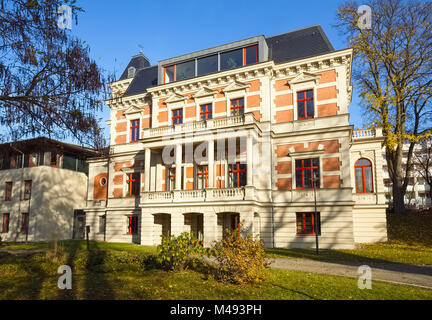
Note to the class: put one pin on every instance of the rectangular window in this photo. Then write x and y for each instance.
(206, 111)
(202, 177)
(15, 161)
(134, 127)
(133, 183)
(102, 221)
(237, 175)
(33, 160)
(231, 59)
(169, 72)
(5, 223)
(27, 189)
(54, 160)
(306, 170)
(250, 55)
(306, 223)
(8, 191)
(305, 105)
(185, 70)
(171, 178)
(207, 65)
(237, 107)
(24, 222)
(177, 116)
(132, 225)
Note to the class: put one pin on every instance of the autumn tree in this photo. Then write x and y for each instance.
(392, 69)
(49, 85)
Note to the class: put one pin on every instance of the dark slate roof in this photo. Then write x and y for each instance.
(293, 45)
(298, 44)
(143, 79)
(138, 62)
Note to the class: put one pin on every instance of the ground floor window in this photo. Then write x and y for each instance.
(24, 222)
(132, 225)
(306, 223)
(5, 223)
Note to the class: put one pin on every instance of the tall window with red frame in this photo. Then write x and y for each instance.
(237, 107)
(133, 183)
(306, 170)
(206, 111)
(134, 130)
(5, 223)
(171, 178)
(177, 116)
(250, 55)
(132, 227)
(237, 175)
(169, 72)
(24, 222)
(306, 223)
(202, 177)
(54, 159)
(27, 189)
(305, 104)
(363, 176)
(8, 191)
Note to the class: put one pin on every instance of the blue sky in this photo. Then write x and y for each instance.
(115, 30)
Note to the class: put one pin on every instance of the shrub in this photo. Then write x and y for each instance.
(240, 260)
(175, 253)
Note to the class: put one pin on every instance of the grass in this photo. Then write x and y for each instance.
(410, 242)
(127, 271)
(109, 273)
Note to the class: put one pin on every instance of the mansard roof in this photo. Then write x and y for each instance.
(285, 47)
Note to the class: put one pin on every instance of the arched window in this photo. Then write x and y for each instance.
(363, 176)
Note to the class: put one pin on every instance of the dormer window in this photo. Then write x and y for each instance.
(131, 72)
(224, 60)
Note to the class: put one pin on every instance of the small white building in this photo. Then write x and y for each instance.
(43, 189)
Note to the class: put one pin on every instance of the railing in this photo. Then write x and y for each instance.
(239, 120)
(366, 133)
(193, 195)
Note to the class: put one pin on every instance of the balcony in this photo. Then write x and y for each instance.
(227, 194)
(217, 123)
(367, 133)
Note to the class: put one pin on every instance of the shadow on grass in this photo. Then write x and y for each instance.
(348, 259)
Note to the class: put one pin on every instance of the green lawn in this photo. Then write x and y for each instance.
(127, 271)
(410, 241)
(109, 272)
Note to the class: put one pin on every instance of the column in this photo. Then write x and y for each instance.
(249, 160)
(147, 220)
(147, 159)
(178, 162)
(210, 229)
(211, 176)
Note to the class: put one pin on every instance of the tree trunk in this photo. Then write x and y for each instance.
(398, 199)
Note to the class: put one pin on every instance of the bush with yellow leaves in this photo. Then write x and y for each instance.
(240, 260)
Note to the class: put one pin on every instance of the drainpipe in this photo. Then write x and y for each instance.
(271, 77)
(107, 186)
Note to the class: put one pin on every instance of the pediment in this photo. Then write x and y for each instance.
(133, 110)
(175, 97)
(205, 92)
(236, 85)
(304, 77)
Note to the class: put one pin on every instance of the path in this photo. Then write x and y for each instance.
(420, 276)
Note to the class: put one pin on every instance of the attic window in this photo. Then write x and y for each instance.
(131, 72)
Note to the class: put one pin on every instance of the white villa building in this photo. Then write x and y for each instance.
(245, 133)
